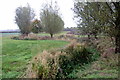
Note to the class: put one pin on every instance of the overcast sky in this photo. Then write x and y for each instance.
(8, 7)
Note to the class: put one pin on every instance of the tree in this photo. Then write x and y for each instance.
(51, 20)
(23, 18)
(36, 26)
(87, 20)
(105, 14)
(117, 24)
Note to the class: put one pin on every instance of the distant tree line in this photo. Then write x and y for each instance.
(9, 31)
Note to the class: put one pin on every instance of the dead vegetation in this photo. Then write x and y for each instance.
(66, 37)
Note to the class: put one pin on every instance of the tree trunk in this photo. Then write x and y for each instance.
(117, 43)
(117, 36)
(117, 27)
(95, 36)
(88, 36)
(51, 35)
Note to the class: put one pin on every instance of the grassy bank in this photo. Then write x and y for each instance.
(16, 54)
(106, 66)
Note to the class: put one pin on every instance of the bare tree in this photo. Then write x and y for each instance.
(23, 18)
(51, 20)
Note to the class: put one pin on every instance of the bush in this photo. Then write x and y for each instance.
(108, 63)
(59, 63)
(16, 38)
(31, 37)
(78, 52)
(45, 38)
(26, 37)
(46, 65)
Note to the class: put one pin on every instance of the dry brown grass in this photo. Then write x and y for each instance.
(105, 45)
(111, 62)
(50, 64)
(44, 65)
(108, 57)
(67, 37)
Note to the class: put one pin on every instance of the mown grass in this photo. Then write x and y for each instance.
(16, 54)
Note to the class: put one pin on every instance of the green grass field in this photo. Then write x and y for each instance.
(16, 54)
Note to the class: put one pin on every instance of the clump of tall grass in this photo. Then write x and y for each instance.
(26, 37)
(109, 62)
(46, 64)
(31, 37)
(59, 63)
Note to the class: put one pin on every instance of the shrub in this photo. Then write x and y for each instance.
(59, 63)
(67, 37)
(15, 38)
(71, 32)
(31, 37)
(78, 52)
(26, 37)
(44, 38)
(110, 62)
(46, 64)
